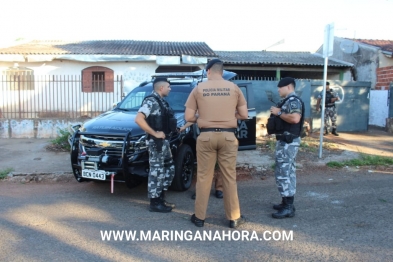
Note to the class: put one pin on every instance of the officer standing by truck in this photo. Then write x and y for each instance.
(288, 122)
(154, 117)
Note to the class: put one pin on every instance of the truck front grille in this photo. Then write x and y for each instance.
(112, 145)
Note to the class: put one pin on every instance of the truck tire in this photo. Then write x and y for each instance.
(75, 164)
(184, 169)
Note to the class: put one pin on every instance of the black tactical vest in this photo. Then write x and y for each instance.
(329, 96)
(161, 122)
(280, 126)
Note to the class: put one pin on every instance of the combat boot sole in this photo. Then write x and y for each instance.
(280, 206)
(283, 216)
(283, 213)
(160, 208)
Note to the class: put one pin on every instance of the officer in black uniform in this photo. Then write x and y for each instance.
(156, 118)
(286, 122)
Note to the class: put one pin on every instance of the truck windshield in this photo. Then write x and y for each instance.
(176, 98)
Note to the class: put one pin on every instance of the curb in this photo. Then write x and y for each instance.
(40, 177)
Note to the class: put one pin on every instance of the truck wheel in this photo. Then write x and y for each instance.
(184, 169)
(75, 163)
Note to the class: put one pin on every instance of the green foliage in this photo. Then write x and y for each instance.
(308, 147)
(4, 173)
(271, 144)
(364, 160)
(62, 140)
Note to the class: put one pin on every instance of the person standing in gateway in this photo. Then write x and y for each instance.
(219, 104)
(330, 109)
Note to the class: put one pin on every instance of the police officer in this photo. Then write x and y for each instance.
(219, 104)
(289, 114)
(153, 117)
(217, 177)
(217, 186)
(330, 109)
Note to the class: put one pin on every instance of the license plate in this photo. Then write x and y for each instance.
(94, 174)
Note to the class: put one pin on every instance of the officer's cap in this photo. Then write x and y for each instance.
(160, 79)
(212, 62)
(286, 81)
(327, 83)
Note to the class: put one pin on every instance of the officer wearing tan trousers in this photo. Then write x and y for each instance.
(220, 104)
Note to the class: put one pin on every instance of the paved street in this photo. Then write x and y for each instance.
(340, 216)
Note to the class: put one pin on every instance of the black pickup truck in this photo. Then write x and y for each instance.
(113, 144)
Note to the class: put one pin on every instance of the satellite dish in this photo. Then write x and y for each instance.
(349, 47)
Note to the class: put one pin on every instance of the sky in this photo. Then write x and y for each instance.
(247, 25)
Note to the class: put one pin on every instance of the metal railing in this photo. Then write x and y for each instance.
(54, 96)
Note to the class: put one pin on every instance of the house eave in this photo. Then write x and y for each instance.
(160, 60)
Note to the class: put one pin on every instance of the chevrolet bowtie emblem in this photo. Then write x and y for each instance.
(105, 144)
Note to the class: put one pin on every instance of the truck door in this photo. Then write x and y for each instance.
(246, 129)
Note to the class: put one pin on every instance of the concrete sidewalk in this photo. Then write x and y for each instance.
(29, 156)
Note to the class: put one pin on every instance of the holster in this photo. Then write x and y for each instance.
(159, 143)
(286, 137)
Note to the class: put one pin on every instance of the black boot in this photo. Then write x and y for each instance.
(162, 197)
(287, 210)
(281, 206)
(334, 132)
(198, 222)
(326, 132)
(156, 205)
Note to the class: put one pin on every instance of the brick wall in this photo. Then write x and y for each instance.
(384, 77)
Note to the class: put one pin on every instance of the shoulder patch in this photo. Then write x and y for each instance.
(294, 105)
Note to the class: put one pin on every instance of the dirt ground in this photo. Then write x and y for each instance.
(344, 147)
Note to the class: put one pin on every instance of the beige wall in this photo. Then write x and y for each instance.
(385, 61)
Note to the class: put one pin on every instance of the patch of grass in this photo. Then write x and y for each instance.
(312, 144)
(62, 140)
(271, 144)
(364, 160)
(4, 173)
(308, 147)
(308, 144)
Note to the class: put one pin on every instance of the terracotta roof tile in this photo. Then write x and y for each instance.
(385, 45)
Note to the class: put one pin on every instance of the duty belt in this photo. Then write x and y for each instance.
(233, 130)
(288, 138)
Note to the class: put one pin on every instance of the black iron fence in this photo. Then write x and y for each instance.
(55, 96)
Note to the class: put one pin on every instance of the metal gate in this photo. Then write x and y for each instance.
(54, 96)
(353, 110)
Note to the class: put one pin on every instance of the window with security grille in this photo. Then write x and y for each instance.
(97, 79)
(18, 78)
(98, 83)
